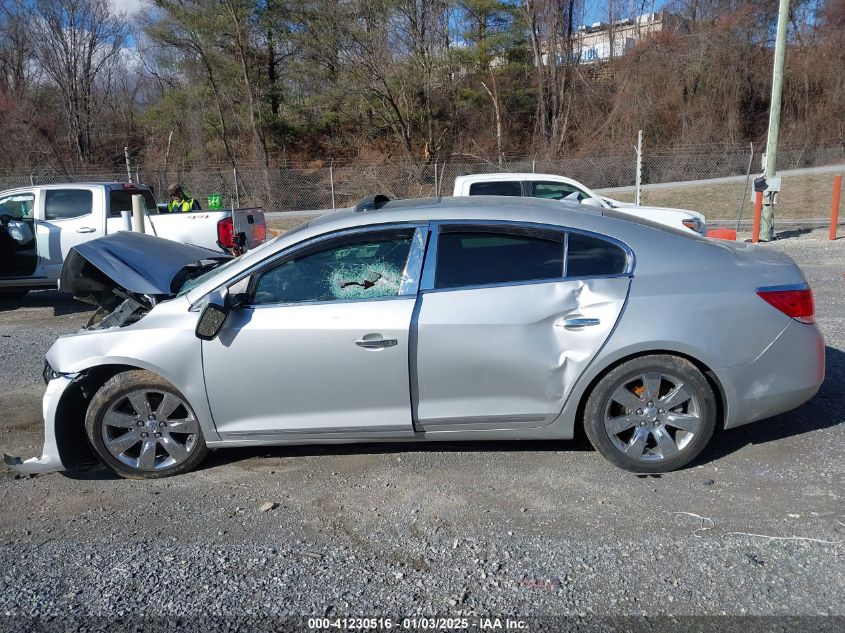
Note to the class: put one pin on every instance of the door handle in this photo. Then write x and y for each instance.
(85, 229)
(376, 343)
(577, 322)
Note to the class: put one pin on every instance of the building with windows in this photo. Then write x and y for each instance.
(604, 41)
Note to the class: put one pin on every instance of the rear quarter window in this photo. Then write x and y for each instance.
(61, 204)
(500, 188)
(590, 256)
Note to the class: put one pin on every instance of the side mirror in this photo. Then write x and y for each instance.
(213, 316)
(592, 202)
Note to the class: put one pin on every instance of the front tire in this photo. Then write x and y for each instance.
(142, 428)
(651, 414)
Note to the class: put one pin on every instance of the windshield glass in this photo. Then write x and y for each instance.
(193, 282)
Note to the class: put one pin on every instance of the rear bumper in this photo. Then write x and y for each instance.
(783, 377)
(50, 460)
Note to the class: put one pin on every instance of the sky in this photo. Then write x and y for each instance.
(596, 10)
(130, 7)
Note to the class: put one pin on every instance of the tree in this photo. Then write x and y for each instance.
(551, 25)
(78, 43)
(263, 81)
(18, 73)
(487, 36)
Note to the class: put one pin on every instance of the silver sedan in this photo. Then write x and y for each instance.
(476, 318)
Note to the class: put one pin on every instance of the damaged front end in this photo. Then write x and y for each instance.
(126, 274)
(51, 456)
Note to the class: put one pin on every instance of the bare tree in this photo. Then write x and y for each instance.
(552, 32)
(78, 42)
(18, 73)
(239, 13)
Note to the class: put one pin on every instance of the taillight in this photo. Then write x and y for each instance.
(796, 303)
(260, 232)
(226, 233)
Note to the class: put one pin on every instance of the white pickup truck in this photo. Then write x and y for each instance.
(39, 225)
(561, 188)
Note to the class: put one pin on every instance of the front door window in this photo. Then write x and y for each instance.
(369, 266)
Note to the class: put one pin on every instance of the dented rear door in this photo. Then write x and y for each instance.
(506, 355)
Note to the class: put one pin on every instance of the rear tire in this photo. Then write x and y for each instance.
(142, 428)
(651, 414)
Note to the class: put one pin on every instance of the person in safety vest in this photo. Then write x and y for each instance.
(179, 201)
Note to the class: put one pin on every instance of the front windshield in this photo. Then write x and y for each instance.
(193, 282)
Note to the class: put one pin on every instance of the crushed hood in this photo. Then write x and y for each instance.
(134, 263)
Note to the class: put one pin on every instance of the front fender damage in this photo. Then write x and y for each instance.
(51, 455)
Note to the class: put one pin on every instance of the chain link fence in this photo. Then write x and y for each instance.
(327, 184)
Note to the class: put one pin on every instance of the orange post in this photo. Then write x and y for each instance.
(758, 211)
(834, 208)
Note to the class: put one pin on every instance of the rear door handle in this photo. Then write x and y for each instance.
(577, 322)
(85, 229)
(376, 343)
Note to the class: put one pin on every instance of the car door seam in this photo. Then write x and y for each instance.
(586, 369)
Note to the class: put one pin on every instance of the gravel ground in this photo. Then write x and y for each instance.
(754, 527)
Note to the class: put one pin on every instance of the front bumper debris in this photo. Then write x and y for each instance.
(47, 463)
(50, 460)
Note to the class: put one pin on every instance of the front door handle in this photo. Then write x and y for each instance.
(577, 322)
(85, 229)
(376, 343)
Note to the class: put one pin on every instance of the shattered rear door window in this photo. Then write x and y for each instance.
(368, 266)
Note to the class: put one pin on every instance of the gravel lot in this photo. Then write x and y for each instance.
(519, 530)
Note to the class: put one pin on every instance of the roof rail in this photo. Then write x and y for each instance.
(371, 203)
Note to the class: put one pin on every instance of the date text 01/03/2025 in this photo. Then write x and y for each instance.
(416, 623)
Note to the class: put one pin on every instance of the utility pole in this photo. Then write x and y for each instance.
(638, 185)
(128, 168)
(767, 228)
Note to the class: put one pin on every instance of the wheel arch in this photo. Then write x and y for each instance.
(69, 422)
(711, 376)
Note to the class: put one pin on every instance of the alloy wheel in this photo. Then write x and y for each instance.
(652, 417)
(149, 429)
